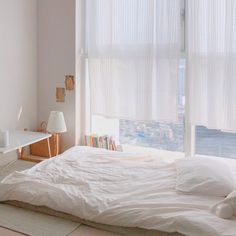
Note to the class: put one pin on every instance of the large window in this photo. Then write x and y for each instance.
(178, 136)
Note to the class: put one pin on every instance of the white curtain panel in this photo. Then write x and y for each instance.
(133, 51)
(212, 63)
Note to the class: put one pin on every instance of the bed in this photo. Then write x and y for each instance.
(115, 189)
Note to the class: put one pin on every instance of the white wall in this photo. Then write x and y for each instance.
(18, 73)
(56, 58)
(18, 64)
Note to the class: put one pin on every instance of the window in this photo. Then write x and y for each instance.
(154, 134)
(215, 142)
(167, 136)
(164, 136)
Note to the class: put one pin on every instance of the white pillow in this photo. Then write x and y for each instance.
(204, 176)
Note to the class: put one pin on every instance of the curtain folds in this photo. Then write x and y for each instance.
(133, 49)
(212, 63)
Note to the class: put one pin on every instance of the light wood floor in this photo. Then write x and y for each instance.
(83, 230)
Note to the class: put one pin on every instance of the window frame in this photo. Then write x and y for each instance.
(189, 135)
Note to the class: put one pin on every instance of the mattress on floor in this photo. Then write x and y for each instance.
(116, 189)
(114, 229)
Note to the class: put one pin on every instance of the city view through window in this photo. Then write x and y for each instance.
(167, 136)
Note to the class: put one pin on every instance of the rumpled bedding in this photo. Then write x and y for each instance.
(116, 188)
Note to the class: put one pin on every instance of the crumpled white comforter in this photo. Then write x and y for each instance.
(116, 189)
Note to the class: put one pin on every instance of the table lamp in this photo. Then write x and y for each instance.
(56, 125)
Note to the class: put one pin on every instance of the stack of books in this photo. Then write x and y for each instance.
(105, 141)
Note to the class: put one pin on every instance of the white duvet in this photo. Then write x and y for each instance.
(116, 189)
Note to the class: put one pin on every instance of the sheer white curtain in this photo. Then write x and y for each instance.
(133, 49)
(212, 63)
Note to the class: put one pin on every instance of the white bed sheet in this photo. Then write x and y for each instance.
(112, 188)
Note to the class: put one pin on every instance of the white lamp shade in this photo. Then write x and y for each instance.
(56, 122)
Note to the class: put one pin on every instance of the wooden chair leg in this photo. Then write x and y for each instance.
(57, 143)
(49, 148)
(19, 153)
